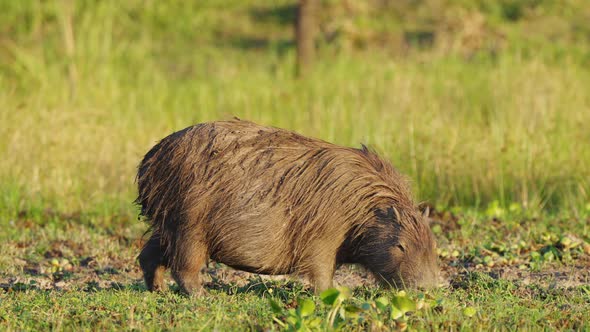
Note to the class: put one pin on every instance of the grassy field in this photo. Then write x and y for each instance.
(485, 107)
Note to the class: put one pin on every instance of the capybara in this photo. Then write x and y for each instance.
(270, 201)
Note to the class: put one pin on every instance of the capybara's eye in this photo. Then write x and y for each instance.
(401, 247)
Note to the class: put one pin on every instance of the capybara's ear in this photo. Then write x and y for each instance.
(426, 213)
(389, 214)
(425, 208)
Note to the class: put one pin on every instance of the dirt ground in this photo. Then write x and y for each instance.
(78, 256)
(95, 272)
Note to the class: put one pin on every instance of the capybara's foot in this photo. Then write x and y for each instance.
(154, 279)
(189, 282)
(151, 262)
(321, 276)
(320, 285)
(158, 280)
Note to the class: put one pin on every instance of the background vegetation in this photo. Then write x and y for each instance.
(475, 100)
(485, 105)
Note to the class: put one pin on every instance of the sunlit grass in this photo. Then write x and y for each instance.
(511, 127)
(501, 139)
(464, 133)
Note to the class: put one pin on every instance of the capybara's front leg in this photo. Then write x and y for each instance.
(186, 270)
(152, 262)
(189, 282)
(321, 272)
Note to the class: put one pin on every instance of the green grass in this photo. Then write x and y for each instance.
(132, 309)
(490, 121)
(507, 127)
(102, 289)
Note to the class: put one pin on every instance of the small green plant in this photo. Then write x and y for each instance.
(469, 311)
(494, 210)
(398, 309)
(342, 309)
(299, 319)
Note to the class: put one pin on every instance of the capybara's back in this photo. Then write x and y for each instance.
(270, 201)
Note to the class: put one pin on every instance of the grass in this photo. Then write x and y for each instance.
(105, 309)
(131, 309)
(467, 132)
(493, 135)
(66, 275)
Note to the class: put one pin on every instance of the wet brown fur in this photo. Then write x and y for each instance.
(270, 201)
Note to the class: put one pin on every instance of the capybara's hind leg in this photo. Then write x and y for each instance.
(186, 270)
(153, 265)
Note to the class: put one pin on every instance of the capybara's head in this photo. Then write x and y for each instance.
(401, 250)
